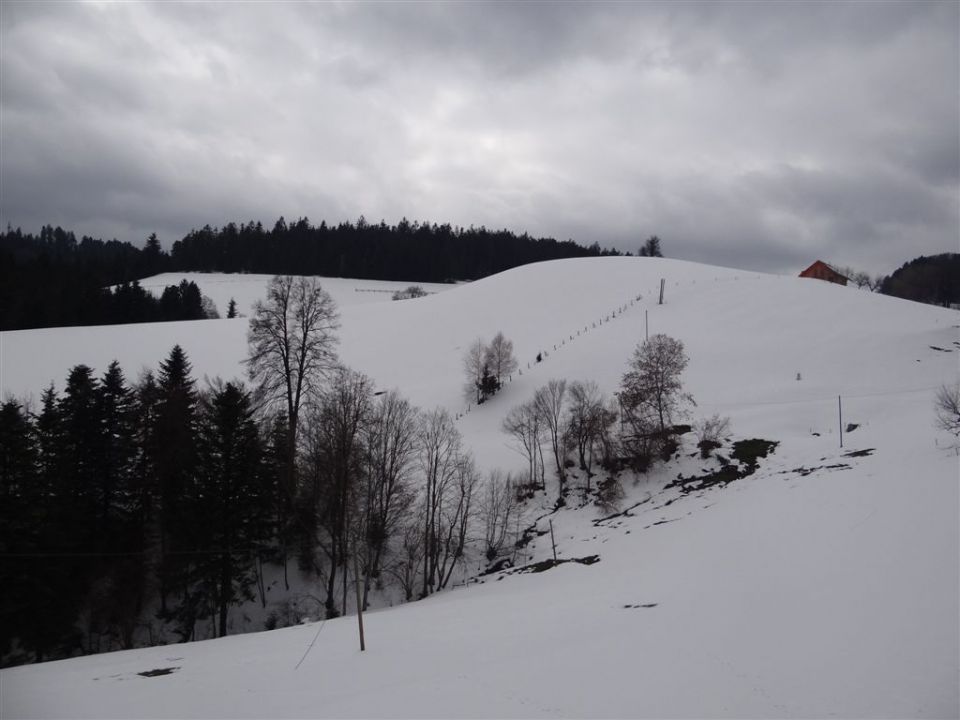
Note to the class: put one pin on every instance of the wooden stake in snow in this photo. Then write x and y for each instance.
(662, 283)
(356, 572)
(840, 411)
(553, 542)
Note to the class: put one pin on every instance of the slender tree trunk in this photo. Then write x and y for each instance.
(331, 585)
(373, 566)
(261, 589)
(344, 597)
(225, 584)
(428, 522)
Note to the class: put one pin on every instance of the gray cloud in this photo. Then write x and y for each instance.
(747, 135)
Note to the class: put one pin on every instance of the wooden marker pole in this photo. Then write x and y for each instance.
(840, 411)
(356, 572)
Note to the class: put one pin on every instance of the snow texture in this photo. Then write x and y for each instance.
(825, 584)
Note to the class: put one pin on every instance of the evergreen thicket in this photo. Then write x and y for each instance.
(933, 279)
(53, 280)
(119, 498)
(423, 252)
(137, 514)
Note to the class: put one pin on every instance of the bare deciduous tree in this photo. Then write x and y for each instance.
(861, 279)
(652, 381)
(590, 424)
(336, 435)
(523, 424)
(585, 401)
(474, 364)
(292, 345)
(456, 515)
(500, 511)
(651, 396)
(405, 566)
(292, 349)
(438, 442)
(500, 360)
(548, 401)
(390, 451)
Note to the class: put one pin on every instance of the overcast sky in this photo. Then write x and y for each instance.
(752, 135)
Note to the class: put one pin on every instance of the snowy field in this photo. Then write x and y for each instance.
(246, 289)
(826, 584)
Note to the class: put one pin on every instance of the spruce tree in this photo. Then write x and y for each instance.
(115, 484)
(82, 460)
(20, 522)
(174, 459)
(49, 446)
(56, 583)
(145, 486)
(230, 496)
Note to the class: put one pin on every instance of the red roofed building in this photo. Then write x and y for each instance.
(821, 271)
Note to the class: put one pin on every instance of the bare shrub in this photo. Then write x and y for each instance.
(500, 511)
(947, 409)
(710, 433)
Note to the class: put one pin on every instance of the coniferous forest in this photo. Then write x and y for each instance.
(933, 279)
(116, 495)
(53, 280)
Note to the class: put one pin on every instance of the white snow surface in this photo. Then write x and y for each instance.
(828, 592)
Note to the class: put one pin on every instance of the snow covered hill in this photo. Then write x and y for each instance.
(825, 584)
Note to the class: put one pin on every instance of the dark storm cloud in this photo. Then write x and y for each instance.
(744, 134)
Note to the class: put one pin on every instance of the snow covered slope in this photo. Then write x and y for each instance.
(824, 584)
(247, 289)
